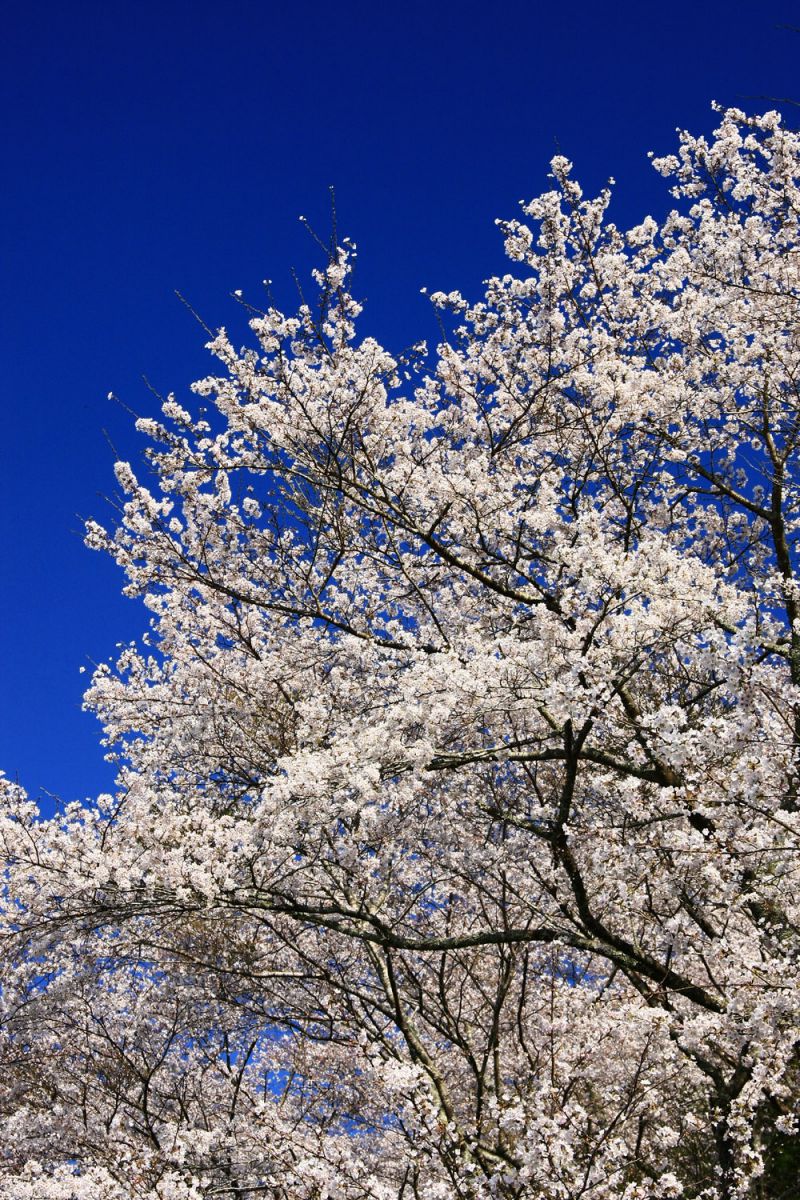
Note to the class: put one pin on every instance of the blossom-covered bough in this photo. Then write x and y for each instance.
(455, 845)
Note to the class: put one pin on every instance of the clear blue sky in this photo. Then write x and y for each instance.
(152, 147)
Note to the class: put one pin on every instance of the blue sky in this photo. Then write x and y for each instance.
(153, 147)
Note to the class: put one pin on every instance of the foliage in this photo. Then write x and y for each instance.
(454, 851)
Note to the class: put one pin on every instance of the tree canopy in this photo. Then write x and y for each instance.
(454, 852)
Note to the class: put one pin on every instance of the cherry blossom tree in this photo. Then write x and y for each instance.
(454, 851)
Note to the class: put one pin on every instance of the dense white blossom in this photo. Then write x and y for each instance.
(454, 851)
